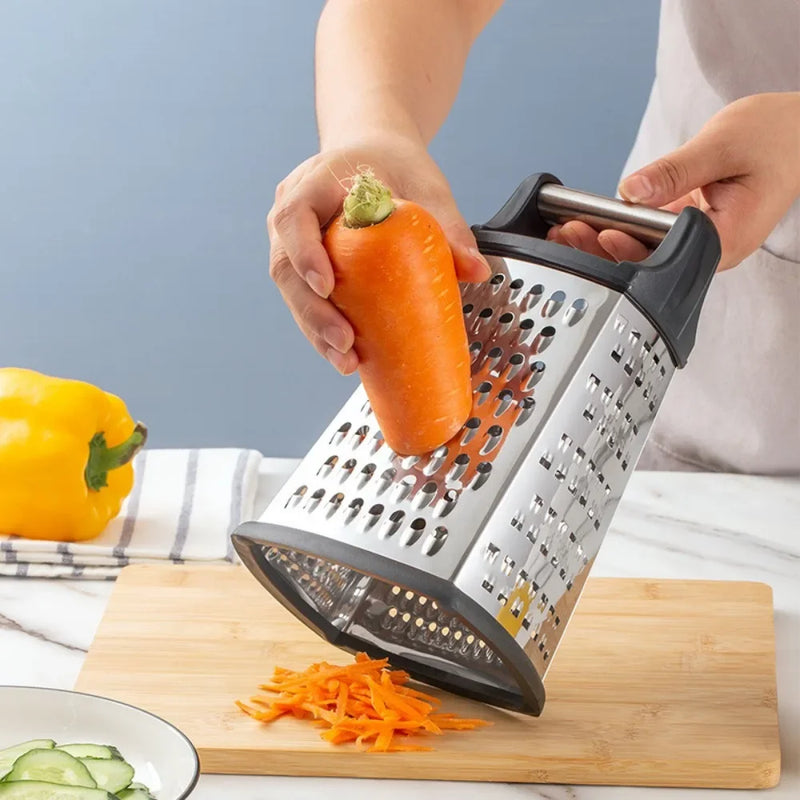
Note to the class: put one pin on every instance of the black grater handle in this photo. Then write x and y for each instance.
(669, 286)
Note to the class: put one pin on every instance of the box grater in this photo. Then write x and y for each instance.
(464, 566)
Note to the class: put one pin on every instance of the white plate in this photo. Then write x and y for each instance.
(164, 759)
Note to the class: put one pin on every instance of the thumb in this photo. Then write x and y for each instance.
(702, 160)
(471, 266)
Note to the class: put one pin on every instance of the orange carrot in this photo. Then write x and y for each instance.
(365, 703)
(395, 282)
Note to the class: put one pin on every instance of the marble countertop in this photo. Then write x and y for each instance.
(680, 525)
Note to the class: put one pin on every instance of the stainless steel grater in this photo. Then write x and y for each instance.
(465, 565)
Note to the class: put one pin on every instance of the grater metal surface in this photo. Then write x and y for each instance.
(464, 565)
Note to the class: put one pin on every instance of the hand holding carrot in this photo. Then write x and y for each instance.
(312, 195)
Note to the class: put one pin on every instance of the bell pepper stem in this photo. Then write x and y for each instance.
(102, 458)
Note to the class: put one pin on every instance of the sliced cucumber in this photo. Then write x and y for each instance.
(40, 790)
(111, 774)
(51, 766)
(11, 754)
(90, 750)
(137, 793)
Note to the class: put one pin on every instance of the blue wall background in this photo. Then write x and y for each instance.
(140, 143)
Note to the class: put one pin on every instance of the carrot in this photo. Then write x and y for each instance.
(395, 282)
(365, 703)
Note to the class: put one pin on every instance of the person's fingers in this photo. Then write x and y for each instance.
(622, 247)
(743, 217)
(702, 160)
(319, 320)
(582, 237)
(298, 218)
(345, 363)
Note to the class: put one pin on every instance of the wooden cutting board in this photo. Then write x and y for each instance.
(657, 683)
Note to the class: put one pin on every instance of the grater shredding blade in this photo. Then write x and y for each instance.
(465, 565)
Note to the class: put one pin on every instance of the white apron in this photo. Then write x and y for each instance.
(736, 406)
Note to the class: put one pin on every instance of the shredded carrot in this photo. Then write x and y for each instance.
(365, 703)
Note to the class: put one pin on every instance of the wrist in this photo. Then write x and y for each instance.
(377, 123)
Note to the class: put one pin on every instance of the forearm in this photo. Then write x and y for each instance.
(392, 65)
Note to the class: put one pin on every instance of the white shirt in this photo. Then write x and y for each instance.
(736, 406)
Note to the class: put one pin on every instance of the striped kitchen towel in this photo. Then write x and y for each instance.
(183, 506)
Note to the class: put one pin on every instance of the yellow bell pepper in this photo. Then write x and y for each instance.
(65, 456)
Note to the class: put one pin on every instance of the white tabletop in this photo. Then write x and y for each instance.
(721, 527)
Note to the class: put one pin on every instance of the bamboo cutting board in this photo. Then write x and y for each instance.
(657, 683)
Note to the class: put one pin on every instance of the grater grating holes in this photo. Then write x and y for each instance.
(504, 322)
(471, 428)
(533, 296)
(474, 349)
(576, 312)
(544, 339)
(537, 371)
(386, 479)
(403, 489)
(515, 363)
(515, 287)
(392, 525)
(435, 541)
(491, 552)
(525, 327)
(447, 503)
(460, 464)
(373, 515)
(333, 504)
(347, 469)
(527, 405)
(367, 471)
(483, 393)
(483, 471)
(315, 499)
(504, 399)
(493, 357)
(328, 466)
(296, 496)
(354, 509)
(414, 532)
(343, 430)
(553, 304)
(360, 435)
(494, 436)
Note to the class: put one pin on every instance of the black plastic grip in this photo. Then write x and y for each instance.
(669, 286)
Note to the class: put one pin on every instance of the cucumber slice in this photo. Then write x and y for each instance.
(138, 793)
(90, 750)
(51, 766)
(11, 754)
(40, 790)
(111, 774)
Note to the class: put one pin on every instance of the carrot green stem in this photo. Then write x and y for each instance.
(102, 458)
(368, 202)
